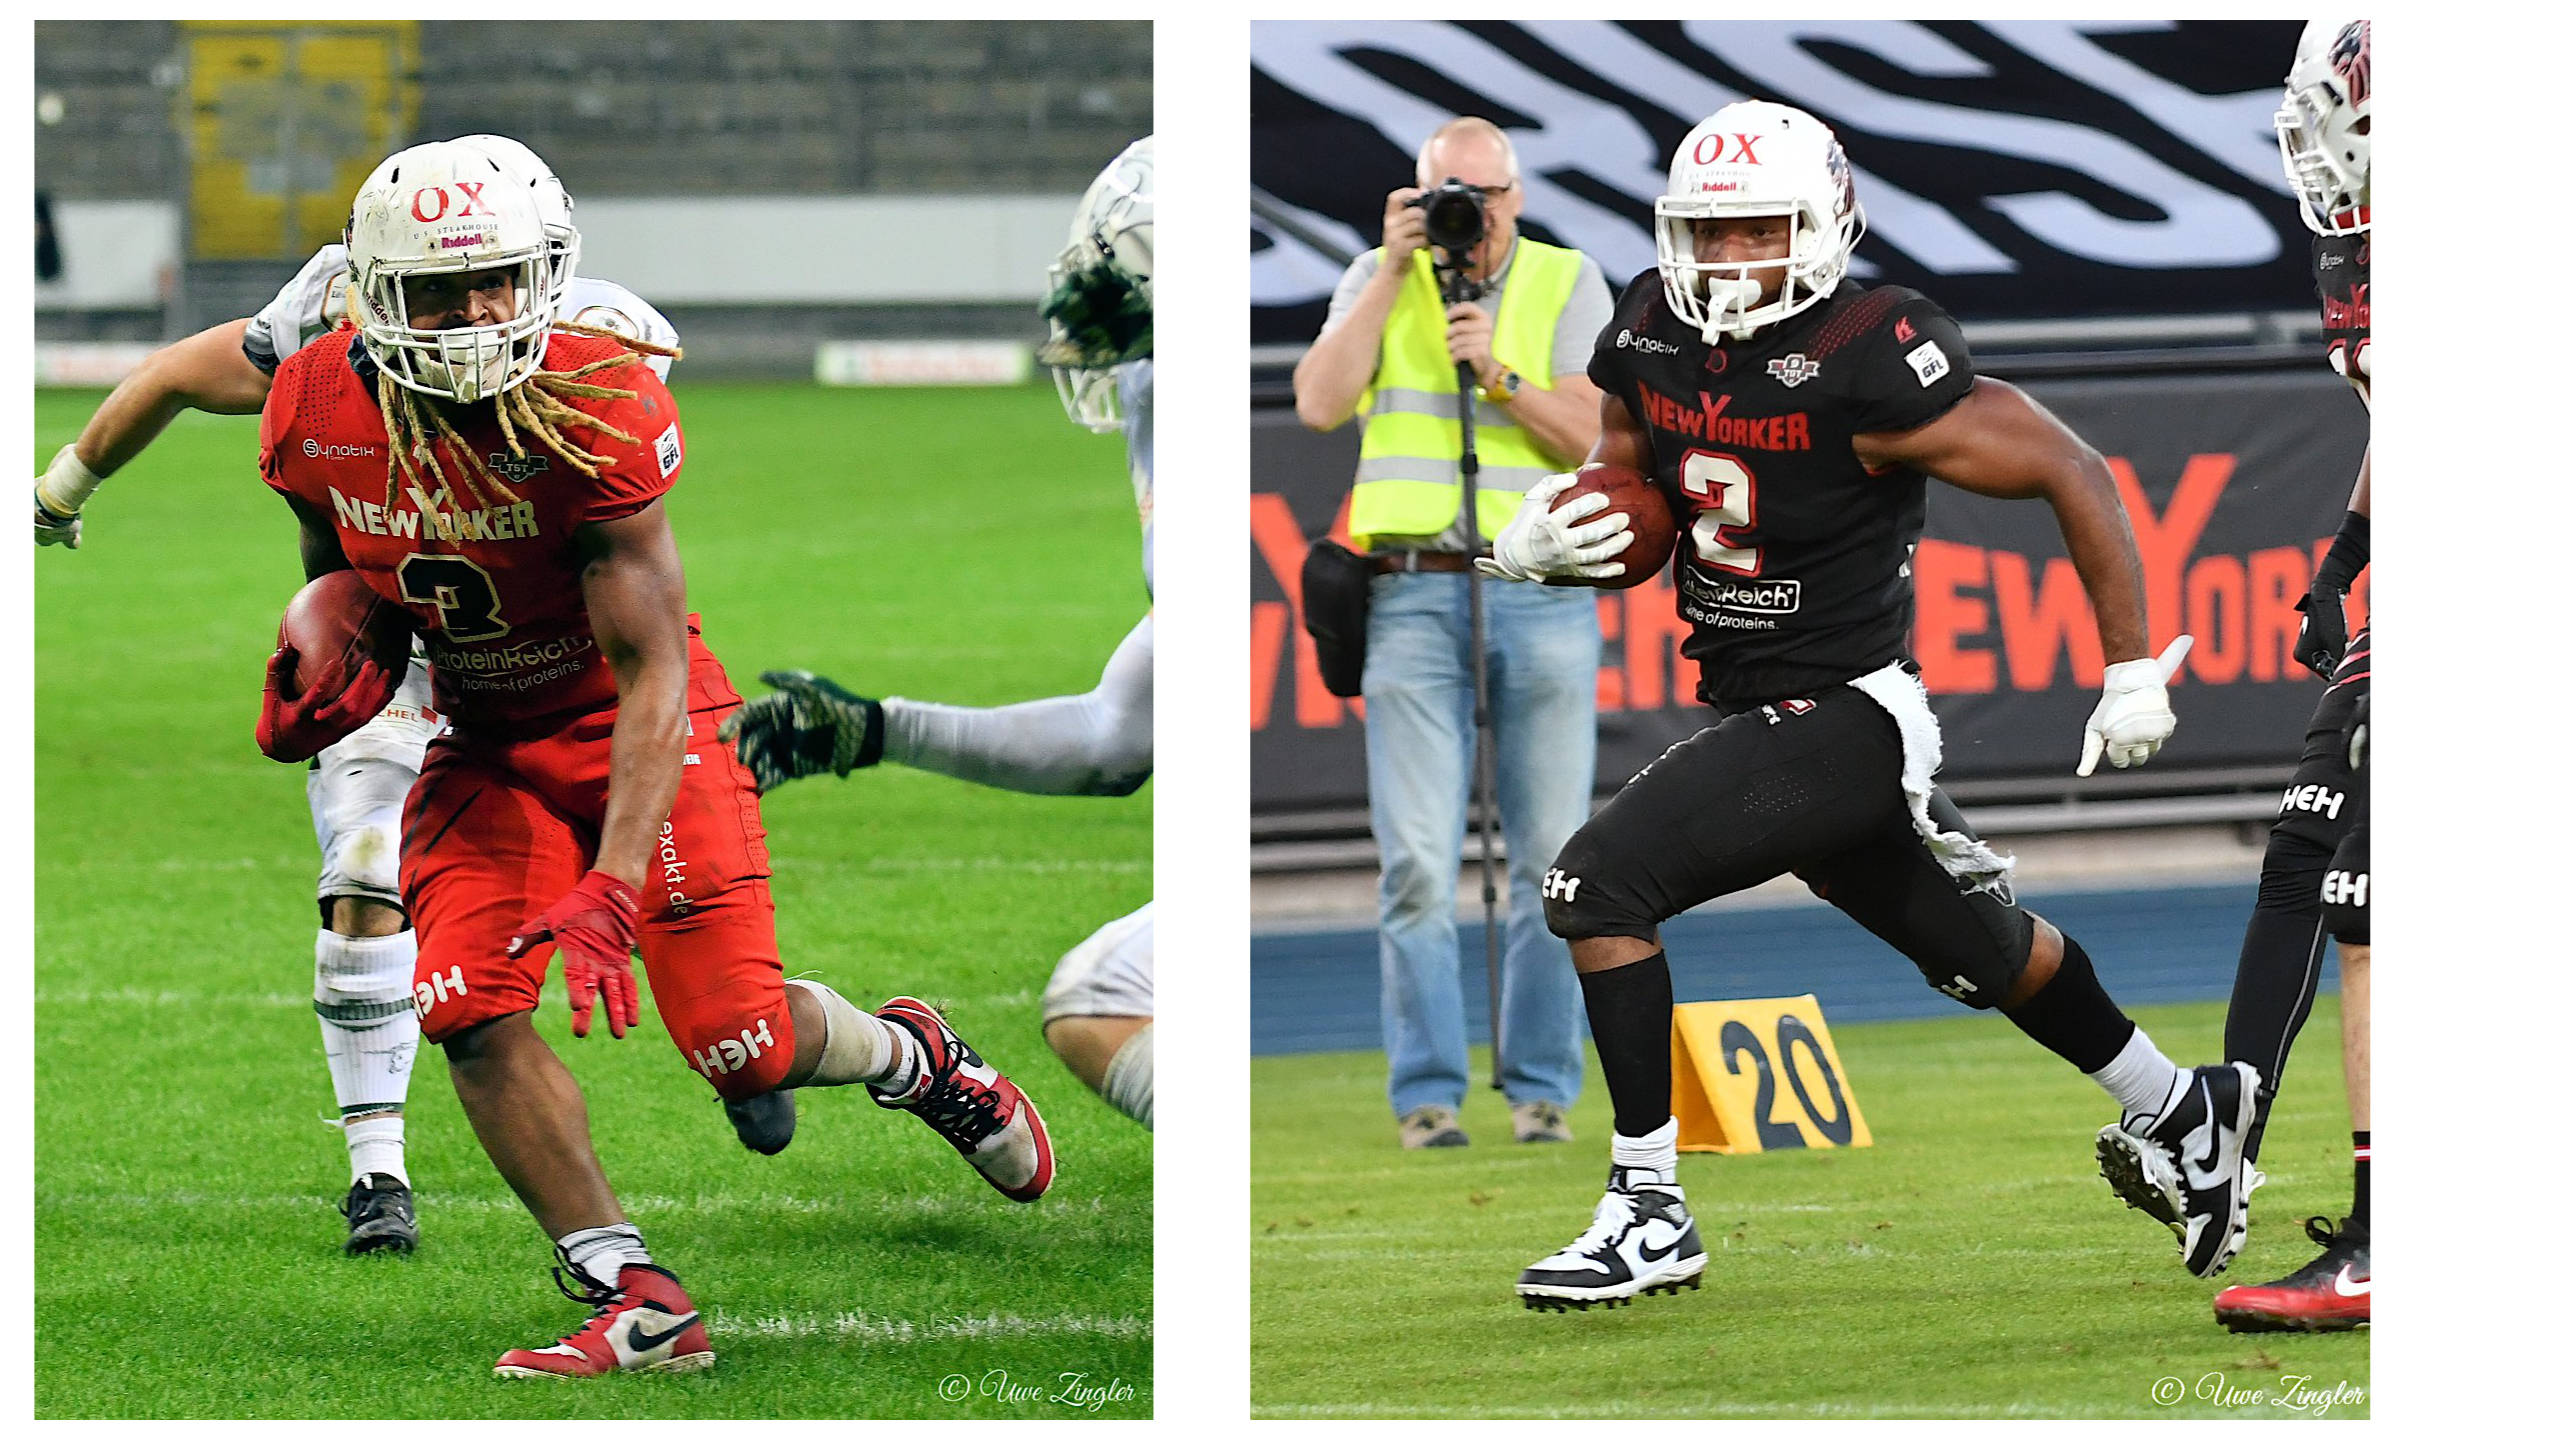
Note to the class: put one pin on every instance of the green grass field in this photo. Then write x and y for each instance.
(967, 546)
(1971, 1264)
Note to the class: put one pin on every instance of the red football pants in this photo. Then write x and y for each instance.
(497, 828)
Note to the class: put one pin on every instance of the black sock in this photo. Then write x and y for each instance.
(2073, 1016)
(1630, 1010)
(2280, 962)
(2359, 1220)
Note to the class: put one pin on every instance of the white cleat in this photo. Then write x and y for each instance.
(1641, 1238)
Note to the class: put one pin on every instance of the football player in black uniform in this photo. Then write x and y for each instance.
(1796, 418)
(2314, 878)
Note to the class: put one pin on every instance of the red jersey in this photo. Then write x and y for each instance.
(494, 587)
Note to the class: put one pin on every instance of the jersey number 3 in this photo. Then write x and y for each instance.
(1721, 486)
(461, 591)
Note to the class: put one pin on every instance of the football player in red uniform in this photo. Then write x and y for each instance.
(503, 482)
(2314, 882)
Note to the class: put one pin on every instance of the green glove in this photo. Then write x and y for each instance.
(809, 726)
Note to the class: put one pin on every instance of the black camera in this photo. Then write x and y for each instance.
(1453, 216)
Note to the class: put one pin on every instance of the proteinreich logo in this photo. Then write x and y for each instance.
(1794, 370)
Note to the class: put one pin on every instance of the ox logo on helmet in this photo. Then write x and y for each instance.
(1741, 151)
(444, 202)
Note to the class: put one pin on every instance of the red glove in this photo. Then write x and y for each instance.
(297, 728)
(592, 925)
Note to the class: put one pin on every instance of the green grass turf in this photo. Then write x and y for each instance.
(1970, 1264)
(967, 546)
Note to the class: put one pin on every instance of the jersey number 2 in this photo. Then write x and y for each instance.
(460, 590)
(1721, 485)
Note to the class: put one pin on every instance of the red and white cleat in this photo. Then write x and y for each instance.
(2333, 1292)
(646, 1322)
(968, 1102)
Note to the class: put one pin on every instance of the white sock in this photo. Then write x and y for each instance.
(600, 1254)
(2140, 1077)
(377, 1144)
(368, 1023)
(1657, 1152)
(861, 1048)
(1129, 1081)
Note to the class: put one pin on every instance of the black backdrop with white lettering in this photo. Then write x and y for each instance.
(2009, 169)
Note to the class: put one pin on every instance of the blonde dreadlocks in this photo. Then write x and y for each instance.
(417, 427)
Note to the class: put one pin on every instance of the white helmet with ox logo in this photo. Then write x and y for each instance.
(452, 207)
(1749, 160)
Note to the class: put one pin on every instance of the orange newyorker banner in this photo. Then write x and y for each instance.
(2233, 483)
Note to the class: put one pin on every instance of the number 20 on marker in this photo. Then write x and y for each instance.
(1750, 1076)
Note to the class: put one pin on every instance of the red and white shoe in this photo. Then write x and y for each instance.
(968, 1102)
(645, 1322)
(2333, 1292)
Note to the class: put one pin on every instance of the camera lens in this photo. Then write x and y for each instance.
(1453, 218)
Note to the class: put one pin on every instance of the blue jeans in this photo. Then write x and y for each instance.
(1542, 657)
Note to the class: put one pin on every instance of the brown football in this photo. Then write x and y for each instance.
(1633, 494)
(335, 620)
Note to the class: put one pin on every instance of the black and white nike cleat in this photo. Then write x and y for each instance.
(382, 1217)
(2187, 1167)
(1641, 1238)
(764, 1122)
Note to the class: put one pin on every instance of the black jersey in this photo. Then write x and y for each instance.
(2346, 305)
(1794, 563)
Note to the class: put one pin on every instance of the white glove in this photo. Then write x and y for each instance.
(2132, 720)
(1542, 544)
(61, 490)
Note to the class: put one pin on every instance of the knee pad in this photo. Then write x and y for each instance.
(1130, 1082)
(743, 1049)
(2346, 893)
(363, 862)
(1981, 975)
(1583, 898)
(1111, 973)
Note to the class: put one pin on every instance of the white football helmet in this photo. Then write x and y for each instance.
(448, 207)
(550, 197)
(1110, 259)
(2323, 127)
(1752, 159)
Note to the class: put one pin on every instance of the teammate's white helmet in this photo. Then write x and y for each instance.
(550, 197)
(447, 207)
(1101, 301)
(1747, 160)
(2323, 127)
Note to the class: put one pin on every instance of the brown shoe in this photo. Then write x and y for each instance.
(1431, 1127)
(1540, 1122)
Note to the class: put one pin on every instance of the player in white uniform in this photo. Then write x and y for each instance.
(1099, 1011)
(365, 951)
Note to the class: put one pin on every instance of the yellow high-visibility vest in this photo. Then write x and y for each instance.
(1408, 478)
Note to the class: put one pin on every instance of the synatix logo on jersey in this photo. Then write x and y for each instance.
(1707, 421)
(1630, 340)
(314, 450)
(1794, 370)
(489, 522)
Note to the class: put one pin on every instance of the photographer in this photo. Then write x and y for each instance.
(1454, 283)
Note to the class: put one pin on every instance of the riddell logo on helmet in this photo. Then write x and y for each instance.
(1728, 150)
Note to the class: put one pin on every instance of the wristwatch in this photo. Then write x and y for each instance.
(1502, 388)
